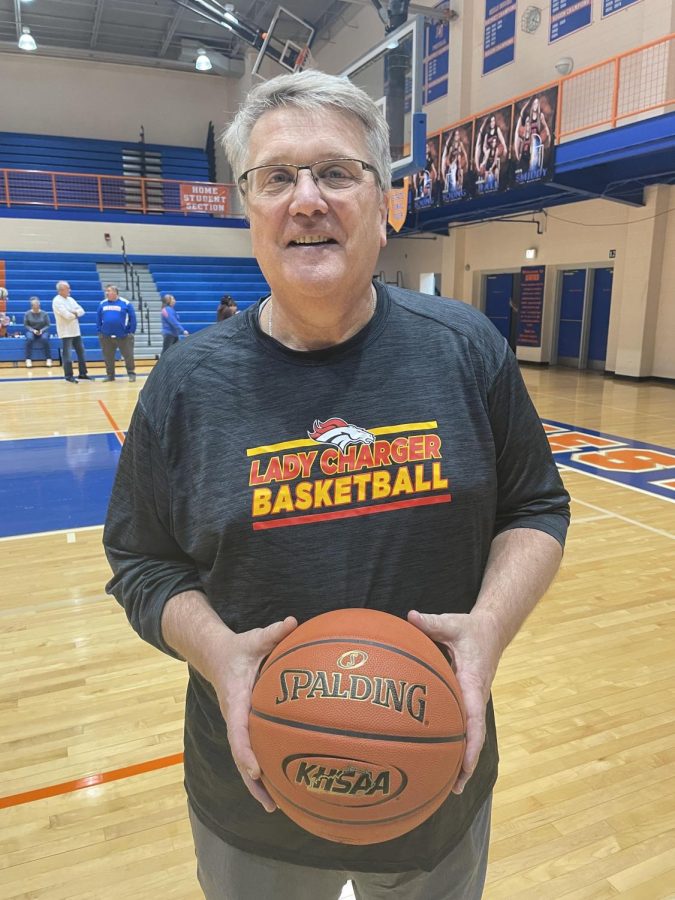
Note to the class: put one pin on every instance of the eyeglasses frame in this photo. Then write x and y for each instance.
(367, 167)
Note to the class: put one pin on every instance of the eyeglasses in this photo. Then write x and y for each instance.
(330, 175)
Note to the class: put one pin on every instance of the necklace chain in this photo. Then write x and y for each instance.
(268, 307)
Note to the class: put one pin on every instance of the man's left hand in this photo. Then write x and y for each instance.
(474, 651)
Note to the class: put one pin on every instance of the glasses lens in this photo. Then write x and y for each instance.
(337, 174)
(271, 180)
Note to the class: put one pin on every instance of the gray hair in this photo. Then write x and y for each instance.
(60, 284)
(113, 287)
(310, 91)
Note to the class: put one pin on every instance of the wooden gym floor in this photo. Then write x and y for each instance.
(91, 803)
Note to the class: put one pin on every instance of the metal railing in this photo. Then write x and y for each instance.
(629, 85)
(73, 190)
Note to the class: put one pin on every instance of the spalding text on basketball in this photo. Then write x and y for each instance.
(401, 696)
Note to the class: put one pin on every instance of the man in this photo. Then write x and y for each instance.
(67, 313)
(36, 325)
(230, 445)
(116, 325)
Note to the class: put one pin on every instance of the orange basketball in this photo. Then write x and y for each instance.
(358, 724)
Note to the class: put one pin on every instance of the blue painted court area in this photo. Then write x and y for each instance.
(50, 484)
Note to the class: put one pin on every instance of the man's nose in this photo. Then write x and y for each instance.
(307, 198)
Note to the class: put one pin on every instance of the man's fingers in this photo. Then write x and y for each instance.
(438, 628)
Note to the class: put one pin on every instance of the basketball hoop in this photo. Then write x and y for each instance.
(304, 60)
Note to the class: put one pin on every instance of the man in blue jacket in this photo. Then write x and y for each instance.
(116, 324)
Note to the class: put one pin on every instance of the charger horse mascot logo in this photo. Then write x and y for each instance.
(339, 433)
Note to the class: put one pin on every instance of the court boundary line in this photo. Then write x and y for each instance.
(32, 534)
(614, 515)
(87, 781)
(119, 434)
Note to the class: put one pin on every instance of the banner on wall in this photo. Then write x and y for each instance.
(490, 156)
(436, 58)
(426, 183)
(499, 35)
(568, 16)
(612, 6)
(534, 137)
(531, 307)
(204, 198)
(456, 179)
(398, 206)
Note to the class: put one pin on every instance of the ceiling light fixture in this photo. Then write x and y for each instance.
(203, 63)
(27, 41)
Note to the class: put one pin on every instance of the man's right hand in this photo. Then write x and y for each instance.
(230, 662)
(233, 678)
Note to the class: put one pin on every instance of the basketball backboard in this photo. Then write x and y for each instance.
(285, 46)
(391, 73)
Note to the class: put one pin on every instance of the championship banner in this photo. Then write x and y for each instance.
(612, 6)
(398, 206)
(436, 58)
(203, 197)
(568, 16)
(455, 172)
(531, 306)
(491, 151)
(426, 183)
(499, 35)
(534, 137)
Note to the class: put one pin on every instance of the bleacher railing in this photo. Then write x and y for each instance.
(630, 85)
(58, 190)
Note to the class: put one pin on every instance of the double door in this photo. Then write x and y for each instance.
(583, 323)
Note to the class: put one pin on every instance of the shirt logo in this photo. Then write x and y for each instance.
(339, 433)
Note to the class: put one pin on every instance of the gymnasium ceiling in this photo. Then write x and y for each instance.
(157, 33)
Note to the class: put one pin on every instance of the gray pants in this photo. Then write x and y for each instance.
(126, 348)
(226, 873)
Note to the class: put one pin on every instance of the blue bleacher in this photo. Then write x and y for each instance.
(198, 283)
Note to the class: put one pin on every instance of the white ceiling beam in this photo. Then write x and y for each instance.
(17, 18)
(96, 27)
(171, 30)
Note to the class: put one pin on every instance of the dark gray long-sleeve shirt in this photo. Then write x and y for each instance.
(36, 321)
(371, 474)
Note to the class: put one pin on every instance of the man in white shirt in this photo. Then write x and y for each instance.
(67, 313)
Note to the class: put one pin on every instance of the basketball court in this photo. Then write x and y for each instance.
(91, 719)
(93, 801)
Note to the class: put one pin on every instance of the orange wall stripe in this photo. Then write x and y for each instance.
(67, 787)
(119, 434)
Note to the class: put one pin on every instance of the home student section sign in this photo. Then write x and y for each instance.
(203, 197)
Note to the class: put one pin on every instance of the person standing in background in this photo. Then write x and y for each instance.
(171, 327)
(36, 323)
(67, 313)
(116, 325)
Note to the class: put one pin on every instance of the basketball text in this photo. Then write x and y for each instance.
(401, 696)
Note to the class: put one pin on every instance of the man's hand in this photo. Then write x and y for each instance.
(474, 651)
(233, 677)
(229, 661)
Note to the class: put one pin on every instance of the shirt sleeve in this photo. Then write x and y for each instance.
(530, 491)
(61, 309)
(131, 323)
(149, 567)
(99, 317)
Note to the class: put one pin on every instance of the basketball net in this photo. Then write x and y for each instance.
(304, 60)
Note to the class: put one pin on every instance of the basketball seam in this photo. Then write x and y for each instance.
(364, 735)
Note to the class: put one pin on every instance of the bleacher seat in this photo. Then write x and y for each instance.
(198, 283)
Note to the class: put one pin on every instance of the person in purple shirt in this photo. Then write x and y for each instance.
(171, 327)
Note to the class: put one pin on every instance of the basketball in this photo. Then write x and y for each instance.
(358, 724)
